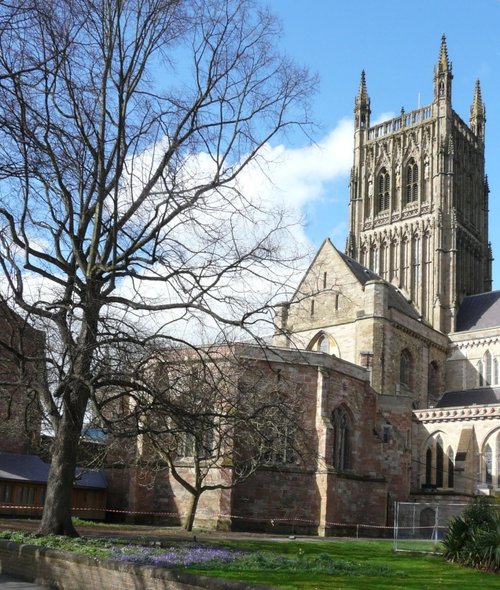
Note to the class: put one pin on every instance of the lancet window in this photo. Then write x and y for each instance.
(384, 187)
(411, 181)
(342, 435)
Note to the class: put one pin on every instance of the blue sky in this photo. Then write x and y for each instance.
(397, 44)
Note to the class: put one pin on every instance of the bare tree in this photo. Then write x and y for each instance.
(124, 127)
(215, 416)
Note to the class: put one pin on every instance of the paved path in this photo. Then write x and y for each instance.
(8, 583)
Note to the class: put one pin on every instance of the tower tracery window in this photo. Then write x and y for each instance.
(411, 181)
(342, 433)
(384, 187)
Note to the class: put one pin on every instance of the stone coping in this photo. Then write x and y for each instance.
(65, 570)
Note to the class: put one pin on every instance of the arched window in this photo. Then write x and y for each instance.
(411, 181)
(451, 468)
(322, 342)
(487, 370)
(323, 345)
(487, 365)
(384, 187)
(405, 368)
(342, 433)
(488, 465)
(490, 468)
(439, 462)
(435, 466)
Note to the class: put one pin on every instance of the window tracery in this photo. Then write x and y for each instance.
(411, 181)
(384, 186)
(342, 434)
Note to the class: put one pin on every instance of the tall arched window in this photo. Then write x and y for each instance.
(405, 368)
(342, 434)
(480, 377)
(451, 468)
(488, 465)
(384, 187)
(490, 468)
(487, 364)
(487, 370)
(411, 181)
(439, 462)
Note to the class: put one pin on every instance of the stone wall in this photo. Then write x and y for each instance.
(69, 571)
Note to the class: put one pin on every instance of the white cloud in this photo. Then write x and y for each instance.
(282, 179)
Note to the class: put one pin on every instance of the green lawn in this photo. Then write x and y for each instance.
(404, 570)
(372, 564)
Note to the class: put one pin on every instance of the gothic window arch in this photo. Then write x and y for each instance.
(405, 368)
(383, 190)
(342, 439)
(487, 370)
(323, 342)
(411, 181)
(439, 468)
(439, 461)
(451, 468)
(487, 365)
(491, 460)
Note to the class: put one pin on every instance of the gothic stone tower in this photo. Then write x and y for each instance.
(419, 200)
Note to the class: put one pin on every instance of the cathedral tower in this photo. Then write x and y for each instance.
(419, 200)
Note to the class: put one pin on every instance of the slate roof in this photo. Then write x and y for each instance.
(396, 299)
(31, 468)
(479, 311)
(479, 396)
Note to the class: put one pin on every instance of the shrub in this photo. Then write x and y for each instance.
(473, 539)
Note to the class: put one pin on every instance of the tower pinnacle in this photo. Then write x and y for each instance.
(362, 104)
(477, 112)
(443, 64)
(442, 74)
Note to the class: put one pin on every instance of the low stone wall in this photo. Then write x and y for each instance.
(70, 571)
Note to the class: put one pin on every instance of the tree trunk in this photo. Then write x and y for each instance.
(188, 523)
(56, 518)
